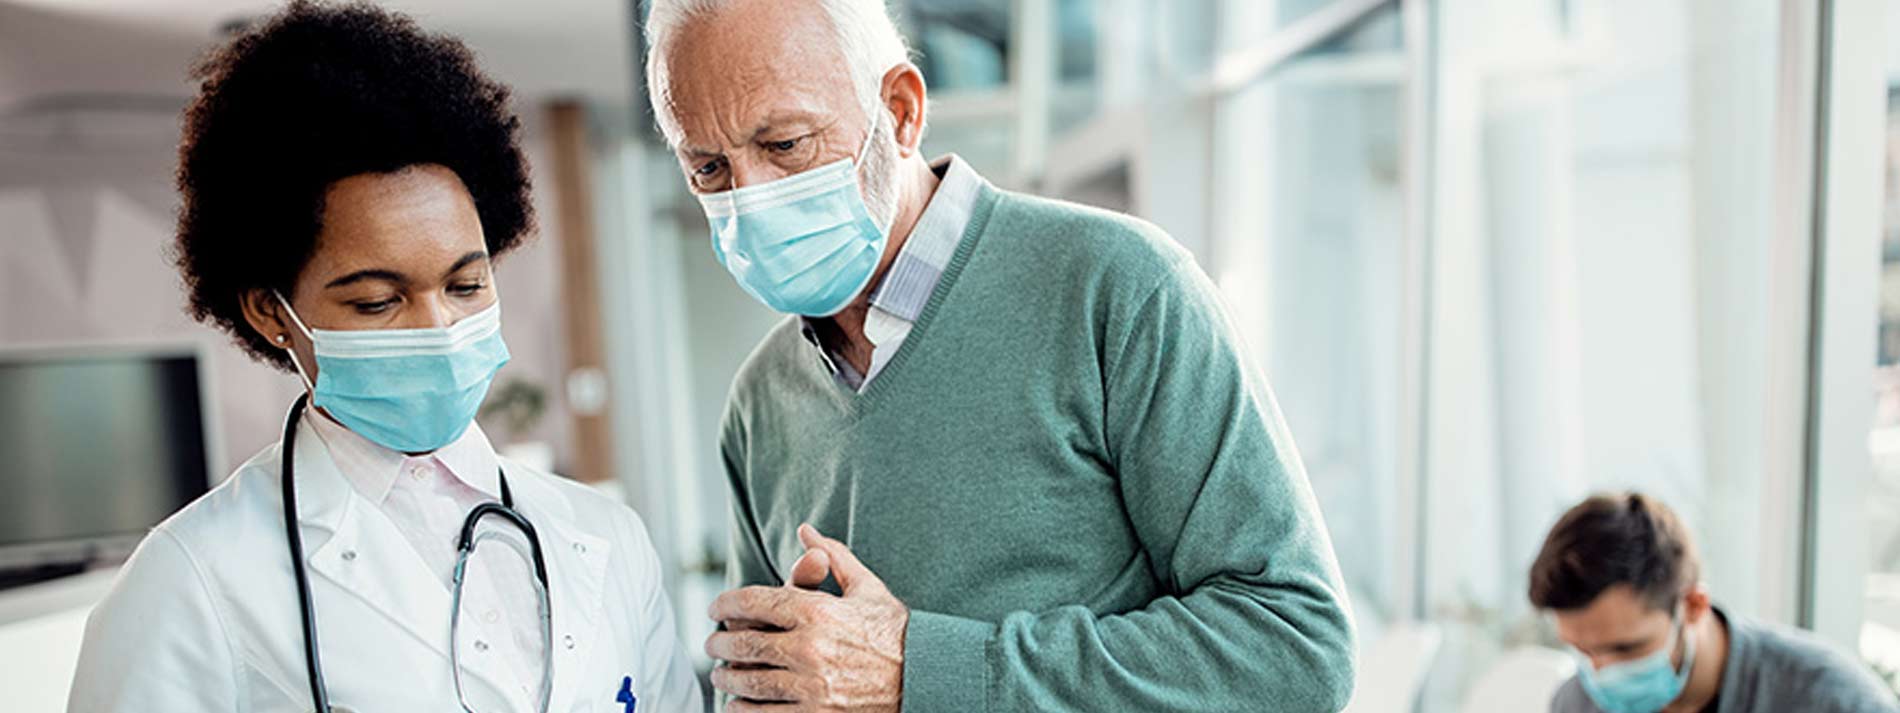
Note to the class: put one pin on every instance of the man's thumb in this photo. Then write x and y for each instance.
(852, 575)
(810, 570)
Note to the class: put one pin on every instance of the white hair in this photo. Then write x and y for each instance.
(871, 46)
(862, 29)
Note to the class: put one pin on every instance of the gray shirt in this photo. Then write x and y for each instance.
(1771, 669)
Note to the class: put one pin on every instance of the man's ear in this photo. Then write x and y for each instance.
(267, 317)
(1696, 604)
(904, 97)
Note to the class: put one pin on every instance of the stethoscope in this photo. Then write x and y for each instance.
(464, 547)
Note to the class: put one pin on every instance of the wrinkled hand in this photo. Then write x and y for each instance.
(791, 648)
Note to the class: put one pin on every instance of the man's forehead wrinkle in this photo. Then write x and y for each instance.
(758, 105)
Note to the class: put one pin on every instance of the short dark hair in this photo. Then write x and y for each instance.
(1607, 540)
(315, 94)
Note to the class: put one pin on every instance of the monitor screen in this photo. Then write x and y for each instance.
(96, 446)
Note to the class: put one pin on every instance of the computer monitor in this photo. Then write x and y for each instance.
(97, 445)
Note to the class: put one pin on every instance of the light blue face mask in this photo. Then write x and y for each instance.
(804, 244)
(1644, 685)
(408, 390)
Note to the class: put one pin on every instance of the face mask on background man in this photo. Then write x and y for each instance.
(1644, 685)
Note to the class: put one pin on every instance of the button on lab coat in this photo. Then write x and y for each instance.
(204, 617)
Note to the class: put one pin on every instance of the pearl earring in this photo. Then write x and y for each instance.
(281, 338)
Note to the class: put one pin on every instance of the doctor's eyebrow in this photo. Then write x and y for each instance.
(371, 274)
(464, 261)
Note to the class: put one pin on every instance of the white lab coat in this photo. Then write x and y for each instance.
(204, 617)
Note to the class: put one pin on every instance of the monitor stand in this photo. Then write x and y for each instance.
(10, 578)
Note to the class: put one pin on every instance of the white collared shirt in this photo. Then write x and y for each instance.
(427, 497)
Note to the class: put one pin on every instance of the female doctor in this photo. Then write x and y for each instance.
(347, 181)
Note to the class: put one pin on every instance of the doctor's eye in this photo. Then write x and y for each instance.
(375, 307)
(783, 146)
(708, 168)
(466, 289)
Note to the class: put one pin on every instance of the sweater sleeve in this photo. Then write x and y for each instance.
(1253, 614)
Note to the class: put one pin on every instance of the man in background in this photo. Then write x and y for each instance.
(1621, 575)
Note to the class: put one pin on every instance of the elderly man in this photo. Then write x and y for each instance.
(1058, 483)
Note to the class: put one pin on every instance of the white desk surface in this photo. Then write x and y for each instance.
(40, 630)
(37, 600)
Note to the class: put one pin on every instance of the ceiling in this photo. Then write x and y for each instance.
(141, 48)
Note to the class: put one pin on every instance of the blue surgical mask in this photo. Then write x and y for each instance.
(408, 390)
(805, 244)
(1644, 685)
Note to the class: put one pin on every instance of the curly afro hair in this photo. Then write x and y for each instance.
(310, 96)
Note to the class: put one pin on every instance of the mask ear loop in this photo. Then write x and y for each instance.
(864, 152)
(724, 233)
(1684, 639)
(869, 136)
(301, 374)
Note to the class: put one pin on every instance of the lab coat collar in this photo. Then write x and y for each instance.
(322, 492)
(364, 553)
(367, 556)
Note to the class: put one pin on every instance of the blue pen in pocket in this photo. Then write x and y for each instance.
(626, 694)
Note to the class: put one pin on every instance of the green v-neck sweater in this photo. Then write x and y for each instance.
(1069, 472)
